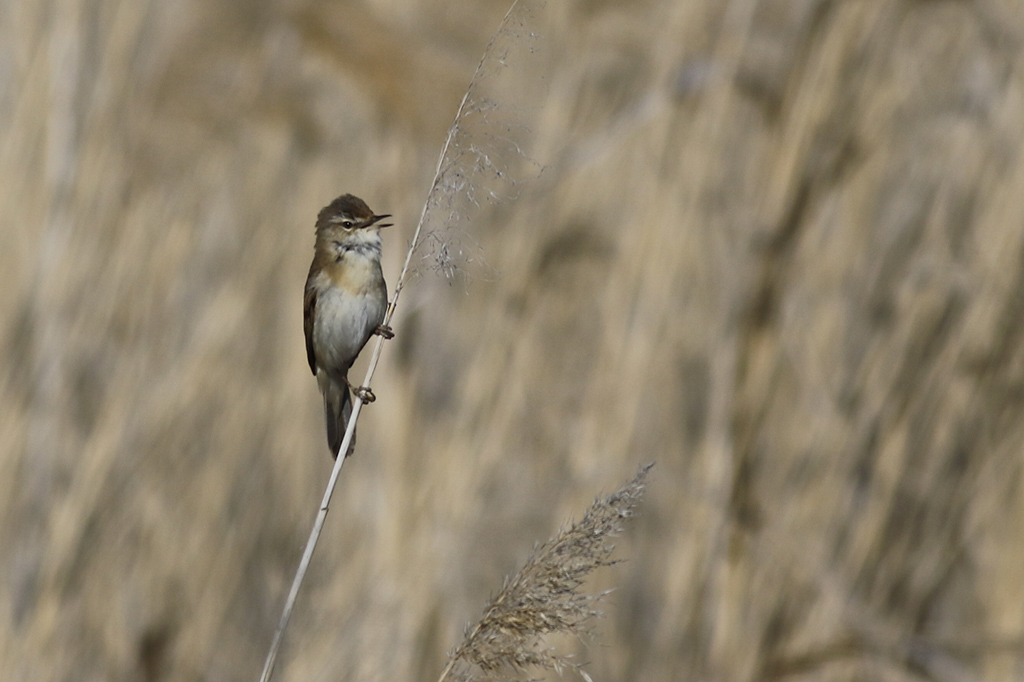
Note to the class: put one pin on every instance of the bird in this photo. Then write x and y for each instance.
(345, 302)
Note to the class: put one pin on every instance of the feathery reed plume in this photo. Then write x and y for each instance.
(484, 156)
(474, 146)
(544, 597)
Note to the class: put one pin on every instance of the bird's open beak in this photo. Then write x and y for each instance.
(378, 218)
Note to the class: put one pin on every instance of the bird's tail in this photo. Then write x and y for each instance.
(337, 410)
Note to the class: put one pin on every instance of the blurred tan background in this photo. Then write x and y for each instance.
(776, 247)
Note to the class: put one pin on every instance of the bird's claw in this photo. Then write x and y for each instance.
(385, 331)
(365, 394)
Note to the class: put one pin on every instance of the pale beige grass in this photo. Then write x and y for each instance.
(776, 247)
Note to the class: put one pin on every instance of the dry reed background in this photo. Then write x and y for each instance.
(777, 248)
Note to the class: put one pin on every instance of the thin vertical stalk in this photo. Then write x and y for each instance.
(318, 524)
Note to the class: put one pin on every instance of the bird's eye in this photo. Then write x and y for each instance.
(347, 224)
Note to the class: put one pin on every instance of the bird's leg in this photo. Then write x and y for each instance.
(385, 331)
(364, 393)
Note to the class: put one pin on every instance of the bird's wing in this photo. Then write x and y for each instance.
(308, 315)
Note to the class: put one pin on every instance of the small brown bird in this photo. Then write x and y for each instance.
(346, 298)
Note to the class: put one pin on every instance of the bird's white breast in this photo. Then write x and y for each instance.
(344, 322)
